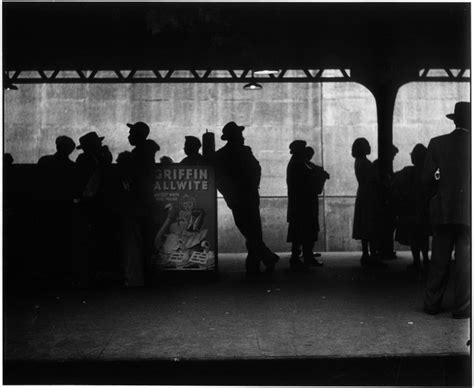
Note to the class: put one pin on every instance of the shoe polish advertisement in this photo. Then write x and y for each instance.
(187, 237)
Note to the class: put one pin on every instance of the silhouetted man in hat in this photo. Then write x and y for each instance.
(56, 190)
(191, 148)
(137, 136)
(57, 171)
(447, 166)
(91, 162)
(238, 178)
(138, 219)
(95, 236)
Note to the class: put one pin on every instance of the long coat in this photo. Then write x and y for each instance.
(366, 203)
(451, 155)
(411, 199)
(302, 213)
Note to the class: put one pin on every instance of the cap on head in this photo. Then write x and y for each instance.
(89, 139)
(297, 146)
(192, 141)
(139, 128)
(231, 130)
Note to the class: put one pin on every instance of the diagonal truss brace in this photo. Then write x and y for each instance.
(58, 76)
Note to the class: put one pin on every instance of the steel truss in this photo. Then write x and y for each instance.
(210, 76)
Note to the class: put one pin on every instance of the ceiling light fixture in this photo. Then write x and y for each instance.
(252, 85)
(9, 86)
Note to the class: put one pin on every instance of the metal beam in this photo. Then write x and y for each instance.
(211, 76)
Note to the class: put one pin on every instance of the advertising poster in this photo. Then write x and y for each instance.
(187, 237)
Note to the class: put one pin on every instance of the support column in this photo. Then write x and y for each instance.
(384, 80)
(385, 95)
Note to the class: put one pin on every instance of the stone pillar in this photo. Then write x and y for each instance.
(384, 82)
(385, 96)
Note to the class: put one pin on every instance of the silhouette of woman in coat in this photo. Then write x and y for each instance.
(412, 204)
(302, 217)
(365, 211)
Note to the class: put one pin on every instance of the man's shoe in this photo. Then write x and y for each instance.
(269, 268)
(270, 257)
(462, 314)
(313, 262)
(431, 310)
(297, 266)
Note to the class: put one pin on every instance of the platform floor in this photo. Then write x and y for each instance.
(337, 311)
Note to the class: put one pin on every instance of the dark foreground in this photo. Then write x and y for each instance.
(337, 325)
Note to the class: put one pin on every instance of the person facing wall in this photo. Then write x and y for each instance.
(366, 204)
(411, 200)
(138, 220)
(303, 224)
(447, 166)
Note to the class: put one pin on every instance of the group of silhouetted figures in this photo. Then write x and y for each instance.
(430, 198)
(88, 214)
(91, 214)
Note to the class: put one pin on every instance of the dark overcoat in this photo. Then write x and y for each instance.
(238, 174)
(411, 199)
(451, 155)
(302, 213)
(365, 211)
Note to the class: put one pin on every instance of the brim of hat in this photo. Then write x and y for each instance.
(79, 147)
(223, 137)
(451, 116)
(129, 125)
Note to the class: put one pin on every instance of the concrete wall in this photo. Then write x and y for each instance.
(328, 116)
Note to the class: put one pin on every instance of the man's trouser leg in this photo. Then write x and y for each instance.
(131, 251)
(462, 292)
(247, 220)
(443, 244)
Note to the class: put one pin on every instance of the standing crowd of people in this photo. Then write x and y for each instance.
(430, 198)
(104, 214)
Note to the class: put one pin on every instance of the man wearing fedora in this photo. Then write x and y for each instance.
(238, 178)
(94, 157)
(447, 167)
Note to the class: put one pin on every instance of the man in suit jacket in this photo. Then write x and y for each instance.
(238, 175)
(447, 166)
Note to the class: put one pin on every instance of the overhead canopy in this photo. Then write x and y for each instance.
(234, 35)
